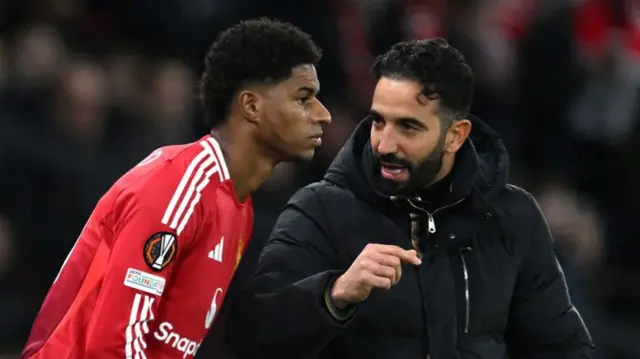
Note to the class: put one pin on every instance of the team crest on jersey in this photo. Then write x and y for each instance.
(160, 250)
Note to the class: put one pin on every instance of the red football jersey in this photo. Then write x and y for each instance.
(152, 265)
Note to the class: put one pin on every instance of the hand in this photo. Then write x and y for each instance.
(377, 266)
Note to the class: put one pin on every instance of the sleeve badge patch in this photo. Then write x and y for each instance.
(160, 250)
(145, 282)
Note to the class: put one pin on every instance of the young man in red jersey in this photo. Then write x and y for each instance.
(153, 263)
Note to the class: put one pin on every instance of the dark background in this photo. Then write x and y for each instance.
(88, 88)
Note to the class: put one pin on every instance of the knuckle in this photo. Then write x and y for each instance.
(367, 252)
(365, 263)
(377, 247)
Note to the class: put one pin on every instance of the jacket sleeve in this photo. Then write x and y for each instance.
(137, 270)
(282, 312)
(543, 323)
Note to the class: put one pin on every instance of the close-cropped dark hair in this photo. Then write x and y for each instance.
(257, 51)
(440, 68)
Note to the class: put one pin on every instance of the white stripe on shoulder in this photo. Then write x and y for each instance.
(197, 197)
(199, 187)
(195, 179)
(183, 183)
(219, 154)
(198, 176)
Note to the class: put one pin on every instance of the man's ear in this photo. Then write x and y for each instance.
(250, 103)
(458, 133)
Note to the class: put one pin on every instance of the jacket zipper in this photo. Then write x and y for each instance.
(431, 228)
(467, 294)
(431, 224)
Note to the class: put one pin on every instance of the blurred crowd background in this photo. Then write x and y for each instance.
(90, 87)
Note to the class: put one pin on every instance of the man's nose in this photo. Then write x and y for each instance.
(321, 115)
(387, 143)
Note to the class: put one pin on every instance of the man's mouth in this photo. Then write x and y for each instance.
(316, 139)
(394, 172)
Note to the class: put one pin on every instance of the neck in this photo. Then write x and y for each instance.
(248, 167)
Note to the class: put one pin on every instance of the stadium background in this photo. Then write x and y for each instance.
(88, 88)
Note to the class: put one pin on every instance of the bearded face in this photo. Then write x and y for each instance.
(407, 137)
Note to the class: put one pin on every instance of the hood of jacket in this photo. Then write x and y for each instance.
(481, 164)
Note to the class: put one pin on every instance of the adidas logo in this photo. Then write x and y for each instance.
(216, 253)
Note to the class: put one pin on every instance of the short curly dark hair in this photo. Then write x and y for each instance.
(262, 51)
(441, 69)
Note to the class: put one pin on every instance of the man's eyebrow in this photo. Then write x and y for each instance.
(413, 121)
(406, 119)
(375, 113)
(308, 89)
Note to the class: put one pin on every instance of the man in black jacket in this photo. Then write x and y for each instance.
(413, 245)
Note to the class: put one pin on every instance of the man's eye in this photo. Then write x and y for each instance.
(409, 127)
(303, 100)
(376, 119)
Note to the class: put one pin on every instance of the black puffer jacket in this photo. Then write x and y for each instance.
(489, 286)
